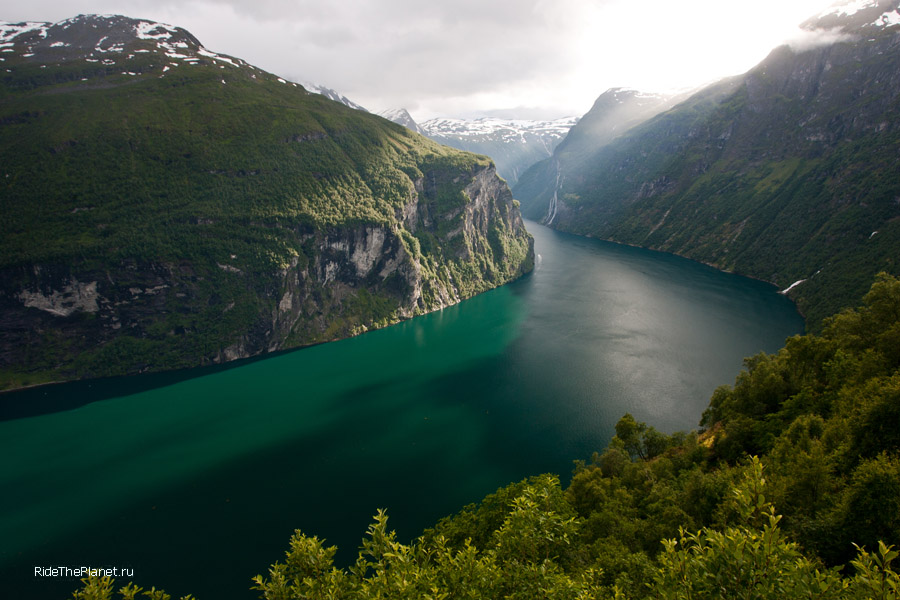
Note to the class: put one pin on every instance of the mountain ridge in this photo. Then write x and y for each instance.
(401, 116)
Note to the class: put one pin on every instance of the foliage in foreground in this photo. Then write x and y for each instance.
(535, 554)
(682, 515)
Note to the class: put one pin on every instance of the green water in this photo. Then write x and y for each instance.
(196, 481)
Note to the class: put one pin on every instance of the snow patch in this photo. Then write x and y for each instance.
(888, 19)
(792, 286)
(331, 95)
(8, 31)
(214, 56)
(849, 8)
(150, 30)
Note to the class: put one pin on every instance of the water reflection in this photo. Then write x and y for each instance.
(419, 418)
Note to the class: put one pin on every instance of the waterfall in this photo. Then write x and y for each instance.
(551, 210)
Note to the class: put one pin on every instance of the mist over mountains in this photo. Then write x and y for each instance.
(787, 173)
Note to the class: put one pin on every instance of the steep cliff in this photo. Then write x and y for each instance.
(164, 206)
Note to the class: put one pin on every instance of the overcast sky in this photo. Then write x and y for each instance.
(469, 58)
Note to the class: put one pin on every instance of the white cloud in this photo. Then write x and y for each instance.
(805, 40)
(462, 57)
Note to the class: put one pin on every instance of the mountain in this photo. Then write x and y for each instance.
(787, 173)
(164, 206)
(402, 117)
(514, 144)
(331, 95)
(613, 113)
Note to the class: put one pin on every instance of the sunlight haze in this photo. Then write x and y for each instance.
(470, 59)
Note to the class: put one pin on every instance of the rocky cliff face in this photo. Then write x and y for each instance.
(87, 320)
(178, 207)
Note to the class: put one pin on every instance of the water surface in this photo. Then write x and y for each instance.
(196, 481)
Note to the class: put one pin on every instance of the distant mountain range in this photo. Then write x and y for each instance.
(788, 173)
(165, 206)
(513, 144)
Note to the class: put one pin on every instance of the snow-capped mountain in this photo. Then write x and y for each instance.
(108, 40)
(514, 144)
(402, 117)
(116, 41)
(499, 130)
(331, 95)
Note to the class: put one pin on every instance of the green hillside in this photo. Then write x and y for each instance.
(164, 207)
